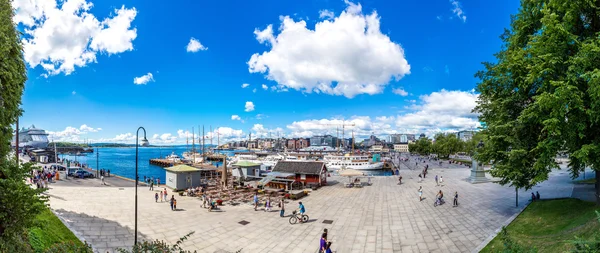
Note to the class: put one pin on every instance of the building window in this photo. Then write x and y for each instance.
(303, 177)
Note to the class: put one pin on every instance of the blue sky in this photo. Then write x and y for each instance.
(384, 66)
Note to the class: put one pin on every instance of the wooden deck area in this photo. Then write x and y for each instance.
(164, 162)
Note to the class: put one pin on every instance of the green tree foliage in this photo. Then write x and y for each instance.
(70, 247)
(422, 146)
(470, 146)
(19, 203)
(12, 76)
(542, 95)
(158, 246)
(446, 145)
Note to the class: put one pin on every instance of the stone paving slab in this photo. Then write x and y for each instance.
(383, 217)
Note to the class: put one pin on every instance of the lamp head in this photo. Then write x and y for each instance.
(480, 145)
(145, 142)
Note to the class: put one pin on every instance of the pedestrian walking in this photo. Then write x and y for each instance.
(102, 178)
(268, 204)
(158, 182)
(108, 173)
(152, 185)
(537, 195)
(156, 197)
(255, 201)
(420, 178)
(532, 196)
(455, 199)
(420, 193)
(175, 204)
(166, 196)
(328, 248)
(323, 243)
(441, 181)
(282, 206)
(436, 181)
(161, 196)
(203, 200)
(172, 201)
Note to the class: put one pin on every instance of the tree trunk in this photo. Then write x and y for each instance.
(597, 187)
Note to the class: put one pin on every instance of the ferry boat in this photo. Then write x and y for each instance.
(356, 162)
(32, 137)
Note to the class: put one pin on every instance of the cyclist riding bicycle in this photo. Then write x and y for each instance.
(301, 209)
(440, 196)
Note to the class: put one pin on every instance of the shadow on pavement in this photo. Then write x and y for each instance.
(102, 234)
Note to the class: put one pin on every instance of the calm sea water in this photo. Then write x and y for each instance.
(121, 161)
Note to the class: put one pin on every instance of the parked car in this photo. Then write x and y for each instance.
(84, 174)
(71, 171)
(58, 167)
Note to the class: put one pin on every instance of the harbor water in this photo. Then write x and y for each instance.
(121, 161)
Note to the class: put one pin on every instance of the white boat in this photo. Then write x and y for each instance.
(193, 156)
(31, 138)
(173, 158)
(267, 163)
(356, 162)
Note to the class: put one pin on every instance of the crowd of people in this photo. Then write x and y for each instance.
(42, 177)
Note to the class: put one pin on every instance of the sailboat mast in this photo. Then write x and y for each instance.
(203, 137)
(337, 129)
(211, 136)
(352, 141)
(193, 145)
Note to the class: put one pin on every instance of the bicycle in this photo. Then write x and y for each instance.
(295, 217)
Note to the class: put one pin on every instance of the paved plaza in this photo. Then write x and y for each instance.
(383, 217)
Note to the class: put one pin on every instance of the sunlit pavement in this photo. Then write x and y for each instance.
(383, 217)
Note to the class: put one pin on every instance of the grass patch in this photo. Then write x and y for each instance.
(586, 181)
(461, 160)
(550, 225)
(48, 231)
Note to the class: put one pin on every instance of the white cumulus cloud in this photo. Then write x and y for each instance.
(143, 79)
(235, 117)
(62, 35)
(249, 106)
(244, 85)
(194, 46)
(400, 91)
(265, 87)
(458, 11)
(72, 133)
(345, 56)
(443, 110)
(326, 14)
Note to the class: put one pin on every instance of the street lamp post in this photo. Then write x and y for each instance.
(97, 167)
(144, 143)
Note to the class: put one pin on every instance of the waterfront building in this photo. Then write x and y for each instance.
(465, 135)
(307, 173)
(401, 147)
(323, 140)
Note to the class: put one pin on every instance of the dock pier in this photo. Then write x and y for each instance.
(164, 162)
